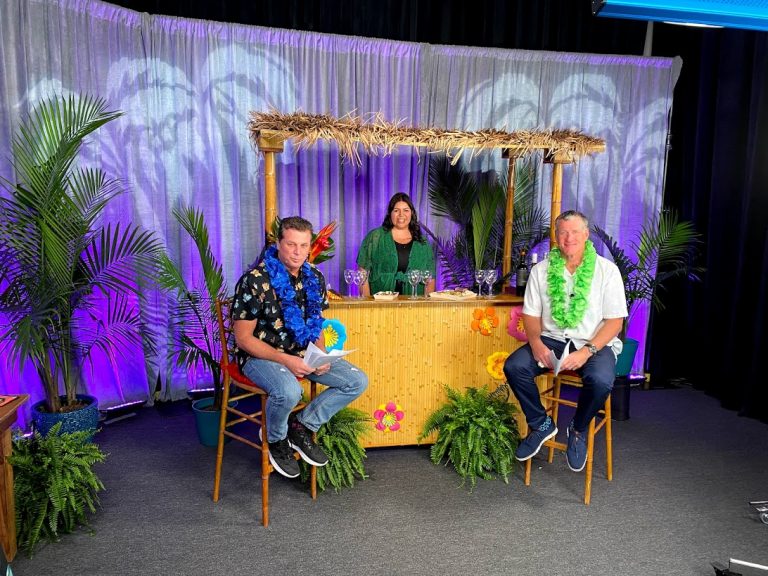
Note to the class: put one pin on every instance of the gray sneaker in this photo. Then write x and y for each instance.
(282, 459)
(530, 446)
(300, 439)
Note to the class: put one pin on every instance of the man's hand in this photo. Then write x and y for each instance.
(320, 370)
(576, 360)
(541, 354)
(296, 365)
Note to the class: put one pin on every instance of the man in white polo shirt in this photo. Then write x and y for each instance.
(576, 298)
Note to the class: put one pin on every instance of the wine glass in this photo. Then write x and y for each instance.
(414, 277)
(426, 276)
(349, 278)
(490, 278)
(479, 278)
(360, 278)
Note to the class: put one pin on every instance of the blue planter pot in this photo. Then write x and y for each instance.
(83, 419)
(627, 357)
(207, 421)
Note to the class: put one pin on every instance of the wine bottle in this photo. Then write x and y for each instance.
(521, 275)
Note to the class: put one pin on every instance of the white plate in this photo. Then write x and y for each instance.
(453, 295)
(386, 295)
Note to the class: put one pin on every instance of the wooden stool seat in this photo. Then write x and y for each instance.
(244, 388)
(552, 400)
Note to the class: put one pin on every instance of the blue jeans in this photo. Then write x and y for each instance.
(597, 375)
(344, 382)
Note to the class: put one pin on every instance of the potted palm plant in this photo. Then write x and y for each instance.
(194, 324)
(68, 281)
(665, 248)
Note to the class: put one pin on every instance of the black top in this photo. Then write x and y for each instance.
(403, 255)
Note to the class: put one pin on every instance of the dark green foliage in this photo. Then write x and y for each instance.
(476, 203)
(339, 439)
(68, 280)
(477, 432)
(195, 324)
(665, 248)
(54, 484)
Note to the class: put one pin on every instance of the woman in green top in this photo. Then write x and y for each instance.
(389, 251)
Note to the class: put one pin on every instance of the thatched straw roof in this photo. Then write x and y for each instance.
(379, 137)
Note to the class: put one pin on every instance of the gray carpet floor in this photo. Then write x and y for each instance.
(684, 472)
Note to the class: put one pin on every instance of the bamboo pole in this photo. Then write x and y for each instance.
(509, 215)
(557, 160)
(268, 145)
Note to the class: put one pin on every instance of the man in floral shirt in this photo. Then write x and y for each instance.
(277, 312)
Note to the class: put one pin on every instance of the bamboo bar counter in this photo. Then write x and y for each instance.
(410, 349)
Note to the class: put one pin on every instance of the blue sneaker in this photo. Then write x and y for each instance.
(576, 453)
(530, 446)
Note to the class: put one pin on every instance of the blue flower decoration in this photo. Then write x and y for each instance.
(335, 334)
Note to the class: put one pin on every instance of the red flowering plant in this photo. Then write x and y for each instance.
(323, 246)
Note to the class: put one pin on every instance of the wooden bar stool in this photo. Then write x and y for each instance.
(602, 421)
(245, 388)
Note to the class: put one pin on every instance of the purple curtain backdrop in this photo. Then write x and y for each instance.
(187, 86)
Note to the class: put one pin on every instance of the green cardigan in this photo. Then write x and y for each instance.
(378, 255)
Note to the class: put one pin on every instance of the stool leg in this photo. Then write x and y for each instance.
(313, 469)
(590, 457)
(527, 477)
(608, 440)
(555, 411)
(220, 445)
(266, 467)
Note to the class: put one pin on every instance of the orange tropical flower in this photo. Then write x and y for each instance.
(322, 244)
(484, 320)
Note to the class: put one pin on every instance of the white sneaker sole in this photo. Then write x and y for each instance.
(552, 435)
(275, 465)
(280, 470)
(568, 434)
(304, 457)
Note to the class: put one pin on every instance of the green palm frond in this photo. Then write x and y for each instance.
(194, 313)
(193, 221)
(54, 254)
(664, 248)
(475, 202)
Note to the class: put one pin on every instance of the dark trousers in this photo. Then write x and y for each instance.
(597, 375)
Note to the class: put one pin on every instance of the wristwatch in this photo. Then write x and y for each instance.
(591, 347)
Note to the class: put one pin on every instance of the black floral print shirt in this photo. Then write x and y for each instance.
(256, 299)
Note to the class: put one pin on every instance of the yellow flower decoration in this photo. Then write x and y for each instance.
(495, 365)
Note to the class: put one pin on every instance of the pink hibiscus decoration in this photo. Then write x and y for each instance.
(388, 417)
(516, 328)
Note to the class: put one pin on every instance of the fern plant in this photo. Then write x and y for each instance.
(477, 432)
(54, 483)
(340, 440)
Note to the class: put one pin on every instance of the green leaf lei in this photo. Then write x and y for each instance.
(569, 316)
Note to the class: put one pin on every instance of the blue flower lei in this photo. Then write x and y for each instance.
(302, 331)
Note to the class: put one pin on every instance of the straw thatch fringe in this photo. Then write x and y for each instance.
(379, 137)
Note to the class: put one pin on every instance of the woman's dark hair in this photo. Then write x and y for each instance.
(413, 226)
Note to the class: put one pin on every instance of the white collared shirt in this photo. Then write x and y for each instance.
(606, 300)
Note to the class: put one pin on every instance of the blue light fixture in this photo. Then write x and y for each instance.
(748, 14)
